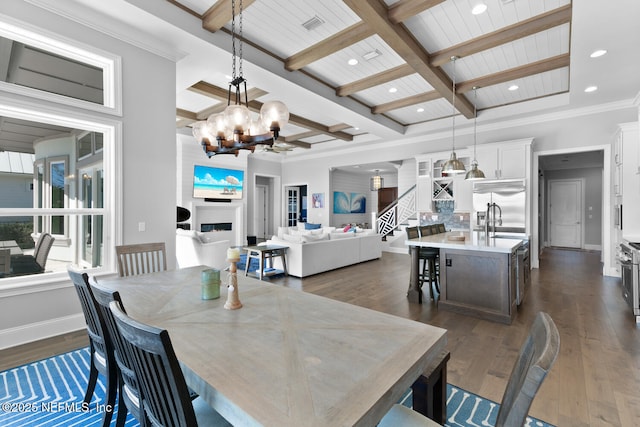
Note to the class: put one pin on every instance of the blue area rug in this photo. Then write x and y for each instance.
(49, 393)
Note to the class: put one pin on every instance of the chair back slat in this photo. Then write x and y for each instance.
(141, 258)
(536, 357)
(166, 399)
(412, 232)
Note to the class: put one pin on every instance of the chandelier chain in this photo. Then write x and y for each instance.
(240, 41)
(233, 39)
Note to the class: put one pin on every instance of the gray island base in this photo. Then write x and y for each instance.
(477, 275)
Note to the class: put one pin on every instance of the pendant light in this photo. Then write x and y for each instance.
(453, 166)
(234, 130)
(377, 181)
(475, 173)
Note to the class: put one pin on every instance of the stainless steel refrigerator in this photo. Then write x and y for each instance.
(510, 198)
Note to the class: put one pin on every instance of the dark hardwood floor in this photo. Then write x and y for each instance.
(595, 381)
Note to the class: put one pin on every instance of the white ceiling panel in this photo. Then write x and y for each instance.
(335, 69)
(406, 87)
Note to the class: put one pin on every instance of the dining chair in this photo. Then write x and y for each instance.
(101, 351)
(141, 258)
(537, 355)
(129, 399)
(5, 261)
(32, 264)
(165, 396)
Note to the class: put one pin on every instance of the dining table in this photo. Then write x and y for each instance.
(287, 357)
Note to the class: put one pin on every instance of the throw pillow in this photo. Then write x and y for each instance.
(282, 231)
(312, 238)
(311, 226)
(347, 228)
(292, 238)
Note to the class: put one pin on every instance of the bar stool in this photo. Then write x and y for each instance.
(430, 266)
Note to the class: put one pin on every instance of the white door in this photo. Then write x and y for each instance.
(565, 208)
(261, 212)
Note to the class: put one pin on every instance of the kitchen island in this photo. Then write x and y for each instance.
(477, 274)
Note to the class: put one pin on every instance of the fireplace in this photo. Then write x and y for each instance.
(216, 226)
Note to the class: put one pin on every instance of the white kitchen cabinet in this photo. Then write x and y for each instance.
(505, 160)
(423, 184)
(629, 186)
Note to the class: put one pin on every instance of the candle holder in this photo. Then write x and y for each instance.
(233, 301)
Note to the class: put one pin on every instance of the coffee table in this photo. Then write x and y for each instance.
(266, 253)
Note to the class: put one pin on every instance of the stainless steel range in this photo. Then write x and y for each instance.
(629, 259)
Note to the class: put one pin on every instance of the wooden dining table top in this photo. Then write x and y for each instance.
(286, 358)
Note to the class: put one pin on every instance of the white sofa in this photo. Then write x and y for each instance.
(195, 248)
(326, 250)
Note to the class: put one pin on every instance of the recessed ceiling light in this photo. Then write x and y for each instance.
(479, 8)
(590, 89)
(513, 87)
(393, 89)
(598, 53)
(352, 61)
(420, 110)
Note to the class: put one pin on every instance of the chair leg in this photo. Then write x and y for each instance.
(93, 378)
(111, 389)
(122, 407)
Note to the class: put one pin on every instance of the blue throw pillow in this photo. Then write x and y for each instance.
(310, 226)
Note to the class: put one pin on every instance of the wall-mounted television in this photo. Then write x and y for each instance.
(216, 183)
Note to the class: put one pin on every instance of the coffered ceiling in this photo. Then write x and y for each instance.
(404, 73)
(298, 51)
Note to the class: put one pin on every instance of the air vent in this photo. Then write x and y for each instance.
(313, 23)
(370, 55)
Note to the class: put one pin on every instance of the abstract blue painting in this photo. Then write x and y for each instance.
(345, 203)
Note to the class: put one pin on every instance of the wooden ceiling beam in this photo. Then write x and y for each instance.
(375, 80)
(406, 102)
(302, 135)
(536, 24)
(220, 13)
(405, 9)
(328, 46)
(186, 114)
(295, 142)
(537, 67)
(375, 14)
(309, 124)
(339, 127)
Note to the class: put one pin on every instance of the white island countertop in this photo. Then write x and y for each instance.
(473, 241)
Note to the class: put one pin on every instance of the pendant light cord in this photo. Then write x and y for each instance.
(475, 121)
(453, 104)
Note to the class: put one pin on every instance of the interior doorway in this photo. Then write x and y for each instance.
(265, 202)
(295, 204)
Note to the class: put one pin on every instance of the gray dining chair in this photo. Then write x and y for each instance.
(129, 399)
(141, 258)
(165, 397)
(101, 351)
(537, 355)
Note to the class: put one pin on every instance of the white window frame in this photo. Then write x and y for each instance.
(27, 104)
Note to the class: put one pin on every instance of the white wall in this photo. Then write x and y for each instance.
(148, 190)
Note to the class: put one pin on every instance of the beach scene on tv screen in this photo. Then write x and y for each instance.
(217, 183)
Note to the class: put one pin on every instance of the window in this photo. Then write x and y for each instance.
(61, 179)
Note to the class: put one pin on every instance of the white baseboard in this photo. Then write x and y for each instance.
(40, 330)
(593, 247)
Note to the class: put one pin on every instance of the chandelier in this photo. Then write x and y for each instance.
(453, 165)
(475, 173)
(234, 129)
(377, 181)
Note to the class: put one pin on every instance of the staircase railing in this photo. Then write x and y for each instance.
(401, 209)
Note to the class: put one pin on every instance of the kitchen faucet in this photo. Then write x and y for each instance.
(491, 216)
